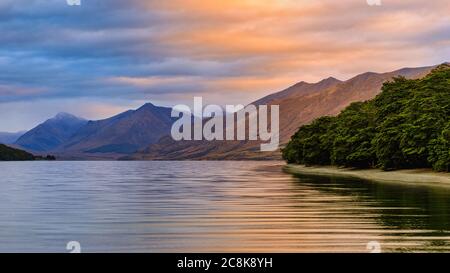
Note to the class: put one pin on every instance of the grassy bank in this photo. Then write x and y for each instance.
(414, 177)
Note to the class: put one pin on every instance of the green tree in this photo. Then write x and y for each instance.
(353, 134)
(440, 151)
(311, 145)
(405, 126)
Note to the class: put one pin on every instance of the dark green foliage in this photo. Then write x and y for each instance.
(312, 144)
(406, 126)
(354, 131)
(50, 157)
(440, 150)
(11, 154)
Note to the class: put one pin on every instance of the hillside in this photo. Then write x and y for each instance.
(122, 134)
(144, 134)
(50, 134)
(11, 154)
(299, 105)
(71, 137)
(9, 138)
(407, 126)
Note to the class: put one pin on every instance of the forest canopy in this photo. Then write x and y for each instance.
(406, 126)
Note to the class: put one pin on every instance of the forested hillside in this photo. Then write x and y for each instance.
(406, 126)
(11, 154)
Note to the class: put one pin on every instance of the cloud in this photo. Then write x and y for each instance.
(227, 50)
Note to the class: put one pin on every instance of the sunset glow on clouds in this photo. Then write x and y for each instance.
(119, 54)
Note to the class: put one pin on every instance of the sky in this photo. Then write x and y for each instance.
(107, 56)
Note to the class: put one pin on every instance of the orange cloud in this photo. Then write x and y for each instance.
(299, 36)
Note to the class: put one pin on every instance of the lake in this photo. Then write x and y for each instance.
(136, 206)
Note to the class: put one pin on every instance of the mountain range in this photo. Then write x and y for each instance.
(71, 137)
(299, 104)
(124, 133)
(50, 134)
(144, 134)
(9, 138)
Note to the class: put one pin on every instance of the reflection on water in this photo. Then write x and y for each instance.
(211, 207)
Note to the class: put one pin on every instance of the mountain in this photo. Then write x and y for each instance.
(122, 134)
(9, 138)
(144, 133)
(303, 106)
(407, 126)
(299, 105)
(11, 154)
(50, 134)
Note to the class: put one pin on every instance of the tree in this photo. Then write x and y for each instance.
(354, 132)
(405, 126)
(312, 144)
(440, 151)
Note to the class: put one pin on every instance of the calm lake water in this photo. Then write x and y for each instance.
(211, 207)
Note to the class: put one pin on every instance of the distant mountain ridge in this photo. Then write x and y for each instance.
(50, 134)
(299, 105)
(10, 138)
(144, 133)
(71, 137)
(121, 134)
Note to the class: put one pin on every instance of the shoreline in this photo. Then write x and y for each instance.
(416, 177)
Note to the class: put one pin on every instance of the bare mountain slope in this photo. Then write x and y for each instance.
(122, 134)
(299, 105)
(51, 133)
